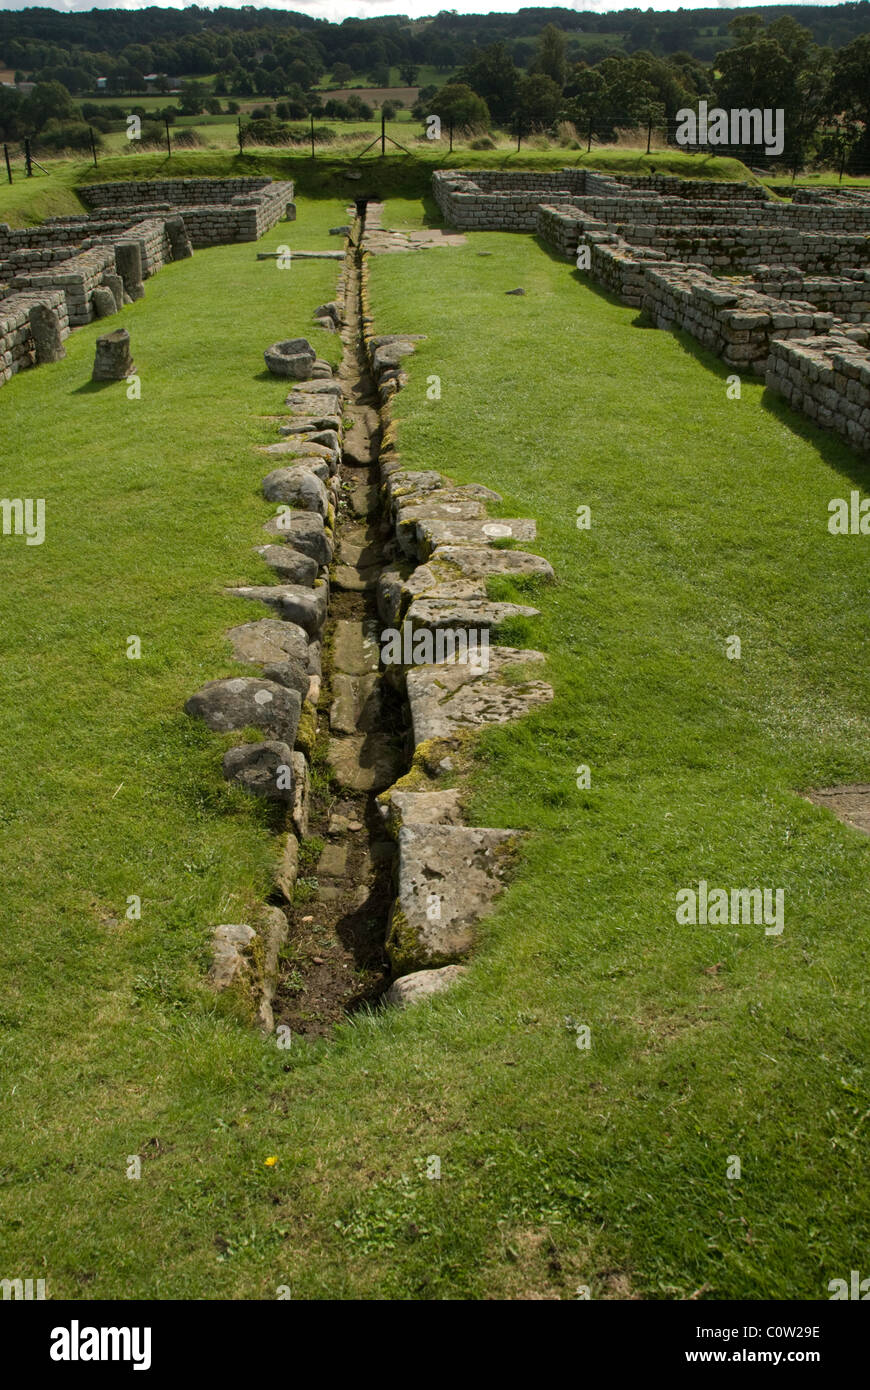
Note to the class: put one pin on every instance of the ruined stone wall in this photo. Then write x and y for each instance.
(651, 210)
(725, 247)
(464, 205)
(70, 256)
(738, 325)
(77, 277)
(502, 200)
(177, 192)
(215, 211)
(828, 380)
(846, 295)
(17, 350)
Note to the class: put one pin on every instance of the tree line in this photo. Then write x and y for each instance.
(523, 82)
(824, 94)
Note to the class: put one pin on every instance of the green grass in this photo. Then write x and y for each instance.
(558, 1167)
(28, 201)
(709, 519)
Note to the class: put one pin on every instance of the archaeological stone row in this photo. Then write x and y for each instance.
(444, 552)
(284, 650)
(779, 288)
(448, 873)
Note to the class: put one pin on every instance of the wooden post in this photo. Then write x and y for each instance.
(241, 138)
(28, 162)
(93, 144)
(451, 138)
(312, 135)
(589, 137)
(383, 133)
(519, 131)
(648, 134)
(842, 157)
(8, 165)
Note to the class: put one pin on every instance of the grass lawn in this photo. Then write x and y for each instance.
(559, 1167)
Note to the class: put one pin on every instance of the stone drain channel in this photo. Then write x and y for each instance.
(338, 957)
(377, 877)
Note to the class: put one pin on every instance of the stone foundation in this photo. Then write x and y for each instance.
(133, 230)
(778, 288)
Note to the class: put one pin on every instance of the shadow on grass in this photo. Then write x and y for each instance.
(91, 388)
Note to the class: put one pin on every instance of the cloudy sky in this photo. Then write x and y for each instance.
(344, 9)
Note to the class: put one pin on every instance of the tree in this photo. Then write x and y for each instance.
(408, 73)
(421, 108)
(458, 105)
(494, 76)
(587, 90)
(850, 97)
(192, 98)
(11, 102)
(49, 101)
(341, 74)
(550, 57)
(539, 100)
(746, 27)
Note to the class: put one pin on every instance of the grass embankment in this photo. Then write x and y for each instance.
(27, 202)
(559, 1167)
(391, 175)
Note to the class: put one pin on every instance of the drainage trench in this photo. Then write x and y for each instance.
(335, 961)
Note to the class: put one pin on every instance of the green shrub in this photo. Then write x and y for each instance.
(66, 135)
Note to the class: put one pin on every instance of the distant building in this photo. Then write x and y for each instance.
(102, 83)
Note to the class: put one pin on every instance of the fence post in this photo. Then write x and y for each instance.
(93, 144)
(241, 138)
(168, 141)
(451, 138)
(383, 133)
(519, 132)
(8, 165)
(648, 133)
(28, 162)
(589, 137)
(312, 136)
(842, 158)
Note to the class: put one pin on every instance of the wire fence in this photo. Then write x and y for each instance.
(834, 151)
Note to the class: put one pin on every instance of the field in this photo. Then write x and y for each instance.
(559, 1167)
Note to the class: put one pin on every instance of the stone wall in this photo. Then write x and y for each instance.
(69, 257)
(654, 211)
(737, 325)
(177, 192)
(828, 379)
(724, 247)
(77, 277)
(846, 295)
(806, 334)
(215, 211)
(505, 200)
(465, 205)
(16, 340)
